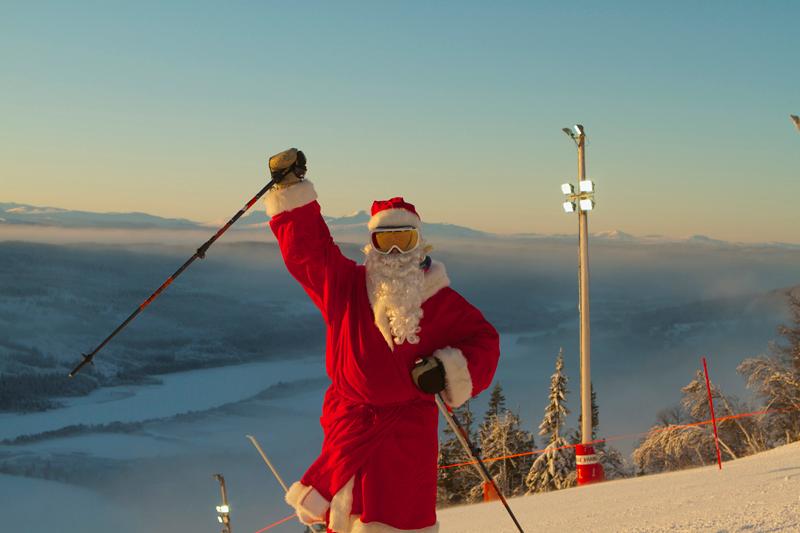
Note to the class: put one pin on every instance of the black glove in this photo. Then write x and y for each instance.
(428, 375)
(288, 167)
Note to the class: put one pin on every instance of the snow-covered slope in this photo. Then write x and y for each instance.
(757, 493)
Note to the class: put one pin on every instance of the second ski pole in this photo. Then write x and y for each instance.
(452, 421)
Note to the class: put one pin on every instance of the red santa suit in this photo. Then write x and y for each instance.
(377, 470)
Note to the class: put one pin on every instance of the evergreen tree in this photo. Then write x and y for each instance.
(614, 465)
(457, 485)
(501, 435)
(497, 402)
(555, 467)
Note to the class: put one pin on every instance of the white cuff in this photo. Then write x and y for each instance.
(458, 382)
(297, 195)
(309, 504)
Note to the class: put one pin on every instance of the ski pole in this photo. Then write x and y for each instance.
(454, 424)
(317, 527)
(269, 464)
(200, 253)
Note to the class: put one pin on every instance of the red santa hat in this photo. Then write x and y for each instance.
(394, 212)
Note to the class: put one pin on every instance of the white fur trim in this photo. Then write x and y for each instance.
(378, 527)
(456, 374)
(435, 280)
(295, 493)
(297, 195)
(341, 521)
(309, 504)
(393, 217)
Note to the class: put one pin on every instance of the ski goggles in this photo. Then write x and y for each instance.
(404, 239)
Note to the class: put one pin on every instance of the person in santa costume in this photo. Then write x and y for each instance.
(396, 335)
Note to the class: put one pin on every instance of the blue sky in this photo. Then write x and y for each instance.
(173, 109)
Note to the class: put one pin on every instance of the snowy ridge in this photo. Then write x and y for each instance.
(344, 226)
(13, 213)
(756, 493)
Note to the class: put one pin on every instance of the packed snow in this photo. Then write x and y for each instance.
(757, 493)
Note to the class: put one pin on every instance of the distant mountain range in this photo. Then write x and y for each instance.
(13, 213)
(349, 225)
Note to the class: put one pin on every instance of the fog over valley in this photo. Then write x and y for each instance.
(234, 346)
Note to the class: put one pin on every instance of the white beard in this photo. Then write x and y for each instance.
(394, 284)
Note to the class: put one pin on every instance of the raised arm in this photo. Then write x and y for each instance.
(308, 250)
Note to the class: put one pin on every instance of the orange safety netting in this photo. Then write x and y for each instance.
(618, 437)
(279, 522)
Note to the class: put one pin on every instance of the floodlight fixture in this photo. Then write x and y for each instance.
(568, 132)
(587, 204)
(223, 509)
(586, 186)
(569, 207)
(578, 129)
(219, 519)
(568, 188)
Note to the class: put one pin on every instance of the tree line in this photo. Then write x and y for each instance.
(500, 434)
(679, 439)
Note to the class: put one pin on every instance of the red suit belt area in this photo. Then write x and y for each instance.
(353, 434)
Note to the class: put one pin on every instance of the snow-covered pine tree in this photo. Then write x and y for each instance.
(457, 484)
(776, 378)
(555, 468)
(501, 435)
(614, 464)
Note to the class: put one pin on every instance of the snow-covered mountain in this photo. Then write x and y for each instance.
(13, 213)
(346, 227)
(356, 223)
(756, 493)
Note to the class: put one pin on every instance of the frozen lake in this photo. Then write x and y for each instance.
(195, 390)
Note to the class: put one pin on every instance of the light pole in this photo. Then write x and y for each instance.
(589, 469)
(224, 510)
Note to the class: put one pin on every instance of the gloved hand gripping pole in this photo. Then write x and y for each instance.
(200, 253)
(452, 421)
